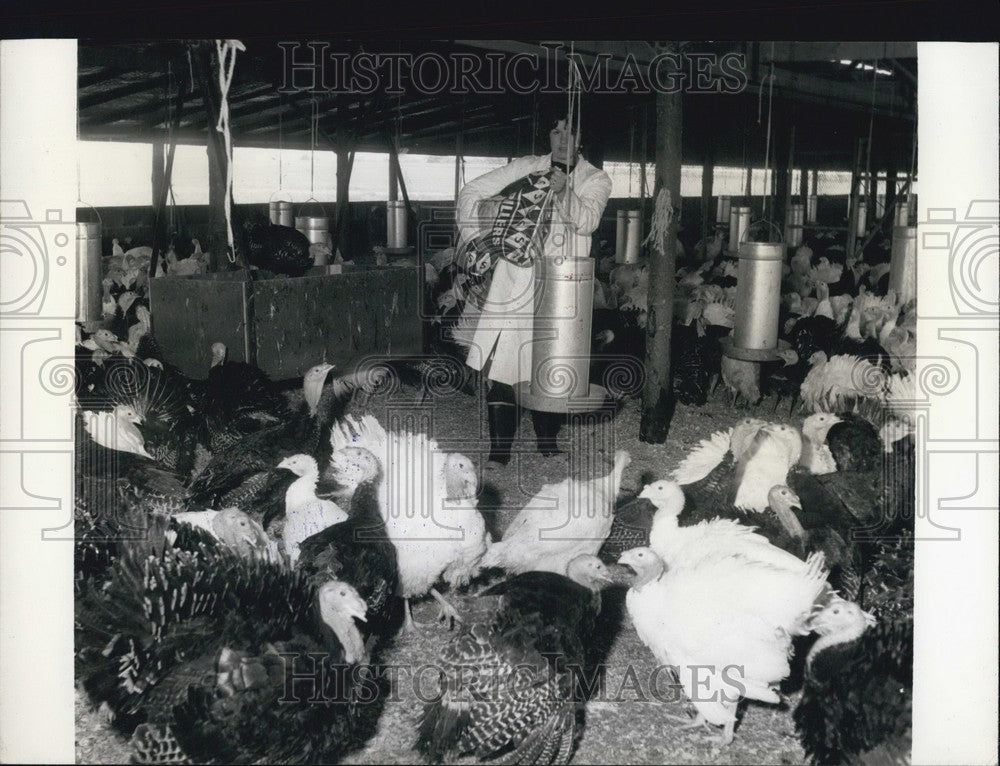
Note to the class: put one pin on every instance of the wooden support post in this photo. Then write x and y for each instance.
(643, 191)
(804, 185)
(458, 153)
(394, 173)
(341, 228)
(890, 195)
(854, 196)
(786, 198)
(657, 395)
(707, 212)
(160, 201)
(218, 239)
(158, 180)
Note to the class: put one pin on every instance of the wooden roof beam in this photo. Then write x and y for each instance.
(836, 51)
(87, 100)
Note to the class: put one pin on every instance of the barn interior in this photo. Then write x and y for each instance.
(743, 325)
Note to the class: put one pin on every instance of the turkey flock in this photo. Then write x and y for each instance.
(247, 556)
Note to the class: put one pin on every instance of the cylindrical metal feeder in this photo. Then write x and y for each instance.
(723, 210)
(758, 296)
(633, 233)
(621, 235)
(862, 219)
(812, 202)
(89, 292)
(903, 266)
(794, 221)
(902, 213)
(396, 224)
(280, 213)
(316, 228)
(560, 349)
(739, 224)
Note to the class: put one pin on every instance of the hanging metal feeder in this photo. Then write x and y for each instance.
(560, 350)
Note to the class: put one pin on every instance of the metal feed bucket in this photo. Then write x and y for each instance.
(793, 224)
(862, 218)
(627, 236)
(902, 213)
(758, 295)
(812, 202)
(739, 224)
(560, 352)
(316, 228)
(89, 290)
(903, 266)
(396, 224)
(280, 213)
(723, 210)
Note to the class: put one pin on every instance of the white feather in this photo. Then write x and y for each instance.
(700, 461)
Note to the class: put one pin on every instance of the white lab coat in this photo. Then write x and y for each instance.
(507, 317)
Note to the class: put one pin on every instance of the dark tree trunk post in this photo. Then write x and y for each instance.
(218, 241)
(159, 176)
(657, 395)
(707, 214)
(217, 236)
(855, 197)
(890, 195)
(393, 175)
(786, 197)
(342, 226)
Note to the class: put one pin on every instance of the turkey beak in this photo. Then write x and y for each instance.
(357, 609)
(795, 508)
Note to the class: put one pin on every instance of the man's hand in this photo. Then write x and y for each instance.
(558, 180)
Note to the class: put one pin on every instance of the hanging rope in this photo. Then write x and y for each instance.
(572, 118)
(281, 147)
(314, 121)
(663, 214)
(631, 152)
(226, 50)
(767, 146)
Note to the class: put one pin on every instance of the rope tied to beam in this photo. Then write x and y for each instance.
(663, 214)
(226, 50)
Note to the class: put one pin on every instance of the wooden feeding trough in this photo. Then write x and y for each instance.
(284, 326)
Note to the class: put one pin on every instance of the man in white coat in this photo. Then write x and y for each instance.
(499, 333)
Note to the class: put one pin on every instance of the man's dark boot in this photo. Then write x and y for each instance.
(547, 426)
(503, 419)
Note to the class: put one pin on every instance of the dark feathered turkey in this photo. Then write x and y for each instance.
(858, 697)
(193, 651)
(358, 551)
(278, 249)
(508, 687)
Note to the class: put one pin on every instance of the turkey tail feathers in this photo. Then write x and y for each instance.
(702, 459)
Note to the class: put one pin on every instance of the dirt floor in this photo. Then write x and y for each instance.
(624, 725)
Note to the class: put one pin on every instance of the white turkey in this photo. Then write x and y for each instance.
(739, 467)
(305, 513)
(562, 521)
(429, 505)
(725, 623)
